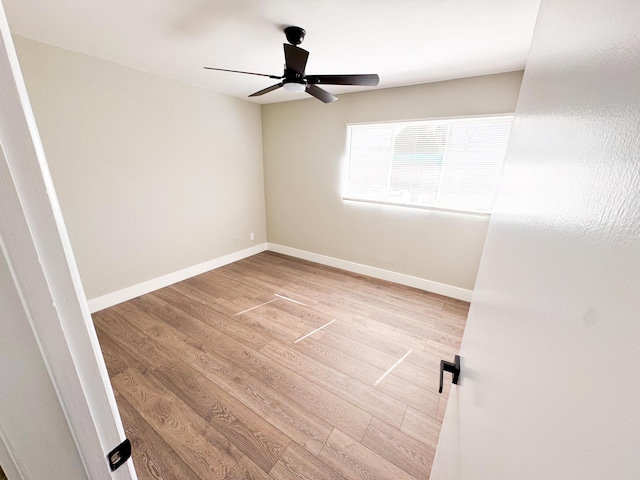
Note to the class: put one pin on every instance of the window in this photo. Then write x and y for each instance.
(451, 164)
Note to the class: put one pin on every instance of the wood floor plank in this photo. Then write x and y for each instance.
(384, 336)
(403, 295)
(297, 464)
(314, 293)
(421, 368)
(291, 418)
(298, 423)
(355, 461)
(330, 407)
(423, 378)
(222, 287)
(452, 326)
(291, 314)
(426, 360)
(207, 452)
(422, 313)
(382, 354)
(359, 394)
(235, 394)
(268, 328)
(245, 469)
(449, 339)
(239, 284)
(406, 298)
(314, 347)
(258, 273)
(261, 282)
(163, 341)
(153, 458)
(116, 358)
(417, 397)
(326, 405)
(418, 327)
(145, 303)
(214, 319)
(442, 407)
(440, 349)
(349, 294)
(423, 428)
(181, 294)
(360, 350)
(123, 332)
(293, 277)
(381, 379)
(399, 448)
(460, 309)
(248, 431)
(375, 287)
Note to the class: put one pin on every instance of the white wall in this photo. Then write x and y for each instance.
(550, 386)
(304, 160)
(153, 176)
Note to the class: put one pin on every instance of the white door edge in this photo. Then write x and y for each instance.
(45, 274)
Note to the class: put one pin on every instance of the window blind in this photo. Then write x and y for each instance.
(451, 164)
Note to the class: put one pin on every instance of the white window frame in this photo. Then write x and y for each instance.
(346, 196)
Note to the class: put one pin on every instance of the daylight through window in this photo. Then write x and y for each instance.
(451, 164)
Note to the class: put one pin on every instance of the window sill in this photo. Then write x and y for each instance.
(420, 207)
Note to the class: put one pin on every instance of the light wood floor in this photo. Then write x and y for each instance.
(275, 368)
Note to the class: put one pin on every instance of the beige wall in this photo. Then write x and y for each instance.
(304, 166)
(153, 176)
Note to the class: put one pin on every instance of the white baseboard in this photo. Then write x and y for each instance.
(110, 299)
(113, 298)
(401, 278)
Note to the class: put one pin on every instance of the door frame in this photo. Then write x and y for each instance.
(37, 248)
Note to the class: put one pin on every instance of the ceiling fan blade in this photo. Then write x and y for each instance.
(295, 58)
(247, 73)
(267, 90)
(320, 94)
(369, 80)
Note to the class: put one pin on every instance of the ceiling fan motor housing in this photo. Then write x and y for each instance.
(295, 35)
(290, 75)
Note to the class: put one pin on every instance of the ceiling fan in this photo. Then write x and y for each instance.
(294, 78)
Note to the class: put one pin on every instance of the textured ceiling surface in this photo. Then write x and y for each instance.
(404, 41)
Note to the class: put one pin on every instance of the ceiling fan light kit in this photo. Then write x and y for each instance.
(294, 78)
(294, 87)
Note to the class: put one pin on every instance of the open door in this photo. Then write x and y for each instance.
(549, 387)
(58, 416)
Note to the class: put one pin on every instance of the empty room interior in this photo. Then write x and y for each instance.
(234, 290)
(274, 279)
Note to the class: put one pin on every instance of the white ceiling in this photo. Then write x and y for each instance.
(403, 41)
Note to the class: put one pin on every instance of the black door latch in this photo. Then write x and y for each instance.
(119, 455)
(454, 368)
